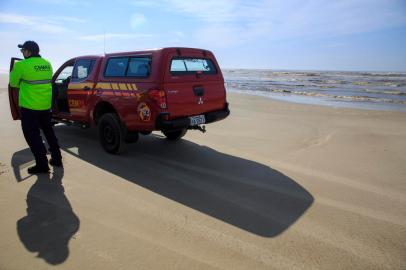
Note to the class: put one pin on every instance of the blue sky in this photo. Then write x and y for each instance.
(292, 34)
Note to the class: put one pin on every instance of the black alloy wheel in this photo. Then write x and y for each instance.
(112, 133)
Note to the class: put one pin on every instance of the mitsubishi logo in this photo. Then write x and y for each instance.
(200, 101)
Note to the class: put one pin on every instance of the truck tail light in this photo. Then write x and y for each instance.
(159, 97)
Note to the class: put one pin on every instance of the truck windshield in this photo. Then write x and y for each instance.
(188, 65)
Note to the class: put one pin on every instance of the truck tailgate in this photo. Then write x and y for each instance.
(193, 83)
(193, 98)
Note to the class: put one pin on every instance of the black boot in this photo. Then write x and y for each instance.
(56, 163)
(36, 169)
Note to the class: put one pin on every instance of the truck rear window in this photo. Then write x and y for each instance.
(128, 67)
(188, 65)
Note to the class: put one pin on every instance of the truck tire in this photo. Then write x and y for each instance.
(174, 135)
(112, 133)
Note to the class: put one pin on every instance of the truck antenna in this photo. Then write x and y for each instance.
(104, 41)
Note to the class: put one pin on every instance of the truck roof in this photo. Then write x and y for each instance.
(153, 51)
(143, 51)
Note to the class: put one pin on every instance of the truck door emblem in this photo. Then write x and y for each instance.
(200, 101)
(144, 112)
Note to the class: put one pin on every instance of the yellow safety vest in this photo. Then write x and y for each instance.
(33, 76)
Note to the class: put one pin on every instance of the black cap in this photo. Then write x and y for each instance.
(31, 46)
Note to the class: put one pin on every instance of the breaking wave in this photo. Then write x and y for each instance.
(353, 98)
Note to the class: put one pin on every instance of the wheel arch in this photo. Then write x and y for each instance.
(102, 108)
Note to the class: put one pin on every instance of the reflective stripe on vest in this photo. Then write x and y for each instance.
(37, 81)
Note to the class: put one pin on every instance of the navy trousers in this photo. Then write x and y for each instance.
(32, 121)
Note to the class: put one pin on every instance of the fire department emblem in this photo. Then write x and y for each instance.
(144, 112)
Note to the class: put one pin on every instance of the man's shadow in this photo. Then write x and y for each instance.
(240, 192)
(50, 221)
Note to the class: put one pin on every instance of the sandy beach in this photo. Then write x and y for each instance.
(276, 185)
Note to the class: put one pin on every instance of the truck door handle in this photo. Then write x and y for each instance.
(86, 88)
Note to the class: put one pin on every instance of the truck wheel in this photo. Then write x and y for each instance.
(174, 135)
(111, 133)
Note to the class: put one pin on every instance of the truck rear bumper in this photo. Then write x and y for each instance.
(180, 123)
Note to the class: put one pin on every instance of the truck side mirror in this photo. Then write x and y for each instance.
(66, 81)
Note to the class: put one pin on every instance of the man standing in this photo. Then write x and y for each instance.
(33, 76)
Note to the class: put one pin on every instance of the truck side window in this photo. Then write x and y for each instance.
(139, 67)
(116, 67)
(82, 69)
(65, 73)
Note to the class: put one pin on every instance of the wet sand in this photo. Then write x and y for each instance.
(274, 186)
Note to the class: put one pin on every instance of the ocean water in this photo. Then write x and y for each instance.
(366, 90)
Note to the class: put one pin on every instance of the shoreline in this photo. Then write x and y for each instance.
(318, 101)
(320, 70)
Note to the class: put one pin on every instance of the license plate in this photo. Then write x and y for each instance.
(197, 120)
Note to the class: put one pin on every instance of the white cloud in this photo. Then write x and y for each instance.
(144, 3)
(68, 19)
(50, 28)
(219, 36)
(16, 19)
(177, 34)
(174, 38)
(33, 23)
(334, 18)
(108, 36)
(137, 20)
(63, 2)
(209, 10)
(235, 22)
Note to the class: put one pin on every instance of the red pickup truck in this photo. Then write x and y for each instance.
(170, 89)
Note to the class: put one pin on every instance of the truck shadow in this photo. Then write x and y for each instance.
(50, 221)
(240, 192)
